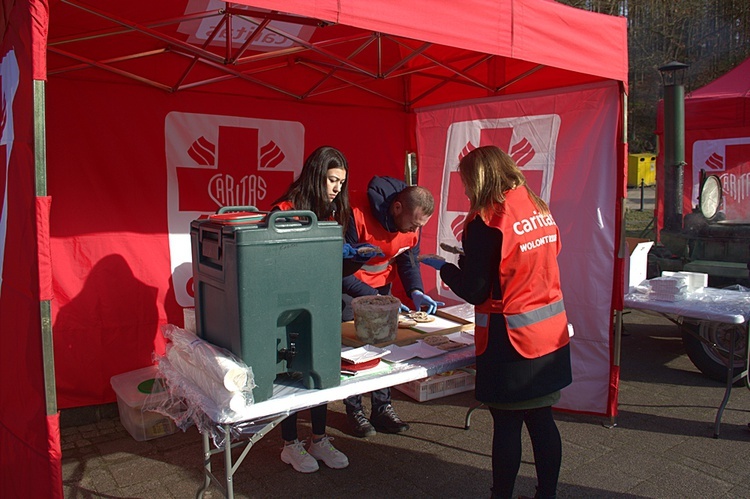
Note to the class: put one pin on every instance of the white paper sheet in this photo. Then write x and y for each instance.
(415, 350)
(465, 337)
(464, 311)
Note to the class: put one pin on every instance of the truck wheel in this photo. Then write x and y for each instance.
(710, 362)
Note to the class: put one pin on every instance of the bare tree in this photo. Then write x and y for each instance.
(712, 36)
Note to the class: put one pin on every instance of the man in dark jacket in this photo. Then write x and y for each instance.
(389, 215)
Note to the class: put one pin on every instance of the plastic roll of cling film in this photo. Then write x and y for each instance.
(211, 387)
(235, 378)
(234, 375)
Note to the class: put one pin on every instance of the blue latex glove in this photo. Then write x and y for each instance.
(403, 309)
(435, 263)
(420, 299)
(349, 251)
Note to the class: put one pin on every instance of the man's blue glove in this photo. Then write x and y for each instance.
(436, 263)
(420, 299)
(403, 309)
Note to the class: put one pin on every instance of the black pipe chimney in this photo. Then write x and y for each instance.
(673, 76)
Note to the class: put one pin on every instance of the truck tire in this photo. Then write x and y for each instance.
(710, 362)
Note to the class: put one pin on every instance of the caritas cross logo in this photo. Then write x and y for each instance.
(215, 161)
(530, 140)
(730, 160)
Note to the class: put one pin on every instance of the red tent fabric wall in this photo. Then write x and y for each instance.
(29, 432)
(154, 115)
(124, 217)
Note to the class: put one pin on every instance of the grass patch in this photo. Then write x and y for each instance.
(639, 224)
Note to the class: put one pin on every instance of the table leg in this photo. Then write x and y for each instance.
(206, 466)
(467, 421)
(228, 470)
(730, 382)
(228, 486)
(229, 467)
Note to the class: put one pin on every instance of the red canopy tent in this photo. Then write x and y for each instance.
(717, 140)
(124, 120)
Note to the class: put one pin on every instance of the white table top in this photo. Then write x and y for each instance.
(721, 305)
(290, 395)
(294, 397)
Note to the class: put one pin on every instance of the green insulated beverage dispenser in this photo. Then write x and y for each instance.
(268, 289)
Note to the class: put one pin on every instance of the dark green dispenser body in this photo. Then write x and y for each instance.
(268, 289)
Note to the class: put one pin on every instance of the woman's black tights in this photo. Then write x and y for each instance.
(506, 450)
(318, 415)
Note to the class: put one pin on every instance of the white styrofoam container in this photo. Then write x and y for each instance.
(438, 386)
(132, 388)
(695, 280)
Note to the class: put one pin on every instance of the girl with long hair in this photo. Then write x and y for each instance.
(321, 188)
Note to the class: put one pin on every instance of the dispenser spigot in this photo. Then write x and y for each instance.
(288, 354)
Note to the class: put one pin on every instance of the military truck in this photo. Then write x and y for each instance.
(710, 244)
(705, 240)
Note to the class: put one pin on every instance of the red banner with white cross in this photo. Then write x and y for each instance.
(565, 143)
(124, 201)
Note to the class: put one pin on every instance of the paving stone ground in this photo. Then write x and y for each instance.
(661, 445)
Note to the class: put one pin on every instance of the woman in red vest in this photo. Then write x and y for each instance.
(321, 188)
(509, 272)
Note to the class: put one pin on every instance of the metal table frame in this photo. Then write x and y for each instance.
(729, 307)
(298, 398)
(227, 487)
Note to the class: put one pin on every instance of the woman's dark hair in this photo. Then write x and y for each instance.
(309, 192)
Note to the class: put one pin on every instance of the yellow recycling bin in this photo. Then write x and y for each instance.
(641, 166)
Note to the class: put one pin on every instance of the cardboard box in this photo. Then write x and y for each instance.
(438, 386)
(636, 263)
(132, 388)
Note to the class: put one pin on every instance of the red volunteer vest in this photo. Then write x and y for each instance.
(288, 206)
(532, 301)
(379, 270)
(284, 206)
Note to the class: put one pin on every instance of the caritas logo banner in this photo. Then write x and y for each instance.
(566, 144)
(215, 161)
(730, 160)
(530, 141)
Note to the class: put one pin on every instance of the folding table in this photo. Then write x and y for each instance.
(708, 304)
(289, 397)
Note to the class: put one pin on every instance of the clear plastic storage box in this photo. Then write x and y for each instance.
(132, 388)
